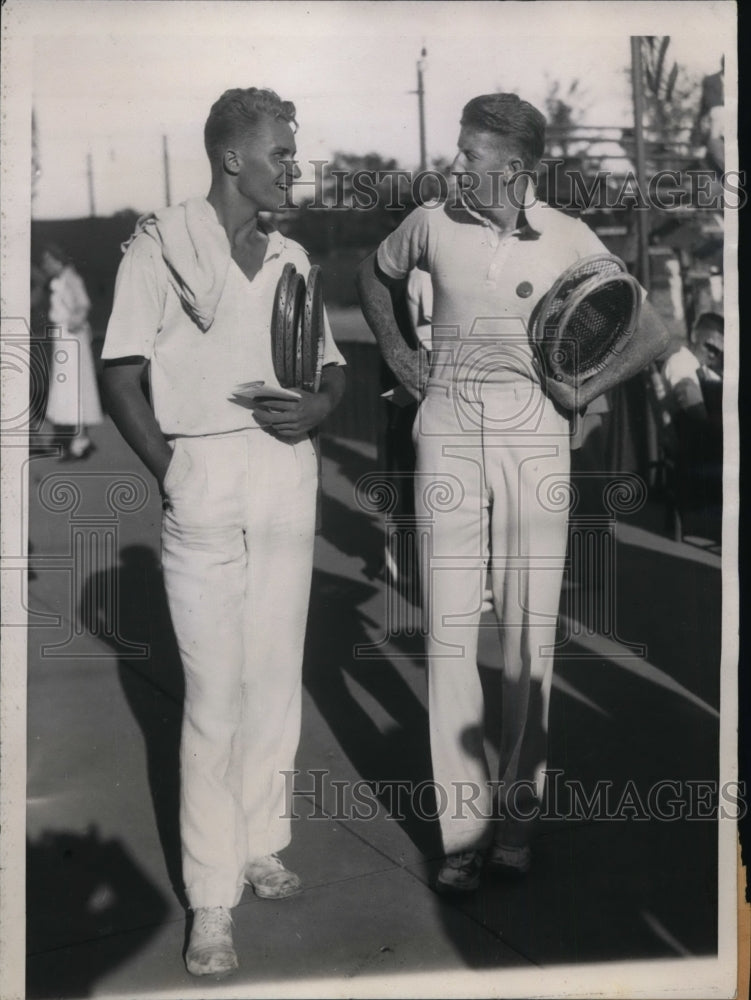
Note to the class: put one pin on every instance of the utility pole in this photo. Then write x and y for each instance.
(652, 374)
(165, 160)
(421, 107)
(36, 169)
(637, 83)
(90, 179)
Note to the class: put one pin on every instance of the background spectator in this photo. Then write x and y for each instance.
(73, 404)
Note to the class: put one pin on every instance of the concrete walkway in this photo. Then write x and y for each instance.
(105, 907)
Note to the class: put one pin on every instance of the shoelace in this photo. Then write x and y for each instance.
(267, 861)
(213, 921)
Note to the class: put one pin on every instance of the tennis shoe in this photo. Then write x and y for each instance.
(270, 879)
(211, 951)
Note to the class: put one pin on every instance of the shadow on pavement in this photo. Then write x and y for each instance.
(611, 881)
(625, 864)
(354, 534)
(153, 686)
(359, 533)
(88, 885)
(391, 744)
(351, 462)
(673, 605)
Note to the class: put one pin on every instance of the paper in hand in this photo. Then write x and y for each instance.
(259, 392)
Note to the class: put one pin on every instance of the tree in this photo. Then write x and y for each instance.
(564, 107)
(670, 105)
(337, 181)
(564, 110)
(354, 204)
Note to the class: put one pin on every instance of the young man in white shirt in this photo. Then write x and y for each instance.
(493, 432)
(193, 301)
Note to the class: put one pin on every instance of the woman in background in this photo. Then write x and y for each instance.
(73, 404)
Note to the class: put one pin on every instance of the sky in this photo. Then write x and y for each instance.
(110, 79)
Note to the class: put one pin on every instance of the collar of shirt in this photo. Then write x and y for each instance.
(276, 243)
(530, 220)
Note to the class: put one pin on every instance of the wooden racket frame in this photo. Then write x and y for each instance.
(547, 334)
(297, 327)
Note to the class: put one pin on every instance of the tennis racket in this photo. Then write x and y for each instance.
(281, 349)
(311, 333)
(585, 318)
(297, 329)
(297, 342)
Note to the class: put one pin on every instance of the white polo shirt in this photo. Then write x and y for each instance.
(485, 285)
(192, 372)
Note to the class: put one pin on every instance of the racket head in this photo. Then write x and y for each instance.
(279, 350)
(585, 317)
(287, 309)
(292, 337)
(595, 324)
(586, 268)
(311, 337)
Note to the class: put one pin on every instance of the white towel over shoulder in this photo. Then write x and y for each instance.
(196, 251)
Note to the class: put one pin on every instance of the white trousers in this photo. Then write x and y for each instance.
(237, 555)
(492, 480)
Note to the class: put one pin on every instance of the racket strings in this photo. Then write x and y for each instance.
(585, 316)
(561, 295)
(594, 326)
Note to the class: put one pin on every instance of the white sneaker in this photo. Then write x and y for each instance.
(270, 879)
(211, 951)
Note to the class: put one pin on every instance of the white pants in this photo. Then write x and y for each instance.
(503, 460)
(237, 553)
